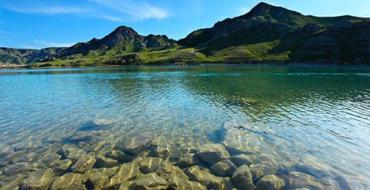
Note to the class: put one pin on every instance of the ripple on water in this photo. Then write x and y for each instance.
(92, 127)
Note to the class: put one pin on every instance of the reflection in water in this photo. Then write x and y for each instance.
(308, 126)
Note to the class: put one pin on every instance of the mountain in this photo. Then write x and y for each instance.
(124, 39)
(26, 56)
(267, 33)
(271, 33)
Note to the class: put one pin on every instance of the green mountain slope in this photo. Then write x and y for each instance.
(266, 33)
(26, 56)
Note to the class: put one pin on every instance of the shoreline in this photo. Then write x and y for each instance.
(225, 63)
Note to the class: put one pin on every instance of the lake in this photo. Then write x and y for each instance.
(309, 126)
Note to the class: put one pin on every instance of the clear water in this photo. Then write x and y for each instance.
(315, 115)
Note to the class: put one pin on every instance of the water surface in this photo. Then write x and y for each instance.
(295, 115)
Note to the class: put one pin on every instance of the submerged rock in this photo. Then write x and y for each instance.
(241, 159)
(126, 172)
(71, 152)
(204, 177)
(95, 125)
(5, 150)
(12, 183)
(104, 162)
(259, 170)
(69, 181)
(61, 166)
(84, 136)
(212, 153)
(148, 181)
(38, 180)
(17, 168)
(148, 165)
(301, 180)
(139, 144)
(84, 164)
(188, 160)
(119, 156)
(242, 178)
(96, 179)
(223, 168)
(270, 182)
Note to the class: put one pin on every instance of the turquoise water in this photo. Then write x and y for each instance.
(297, 116)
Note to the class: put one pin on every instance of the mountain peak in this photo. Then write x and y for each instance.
(263, 8)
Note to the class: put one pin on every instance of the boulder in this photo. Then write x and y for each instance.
(241, 159)
(12, 183)
(204, 177)
(188, 160)
(223, 168)
(71, 152)
(126, 172)
(212, 153)
(69, 181)
(259, 170)
(38, 180)
(148, 181)
(96, 179)
(270, 182)
(301, 180)
(139, 144)
(17, 168)
(104, 162)
(84, 164)
(242, 178)
(5, 150)
(61, 166)
(119, 156)
(150, 164)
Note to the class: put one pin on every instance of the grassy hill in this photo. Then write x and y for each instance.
(265, 34)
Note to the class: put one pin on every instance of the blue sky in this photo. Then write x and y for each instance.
(44, 23)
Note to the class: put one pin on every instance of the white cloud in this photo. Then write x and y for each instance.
(136, 10)
(43, 43)
(48, 9)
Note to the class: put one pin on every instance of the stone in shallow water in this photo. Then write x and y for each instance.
(148, 181)
(84, 164)
(12, 156)
(61, 166)
(71, 152)
(12, 183)
(104, 162)
(212, 153)
(95, 125)
(119, 156)
(241, 159)
(5, 150)
(150, 164)
(223, 168)
(204, 177)
(69, 181)
(270, 182)
(38, 180)
(188, 160)
(139, 144)
(242, 178)
(259, 170)
(96, 179)
(301, 180)
(17, 168)
(84, 136)
(126, 172)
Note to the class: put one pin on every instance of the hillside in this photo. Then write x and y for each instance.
(266, 33)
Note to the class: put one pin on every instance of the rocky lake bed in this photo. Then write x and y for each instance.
(85, 160)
